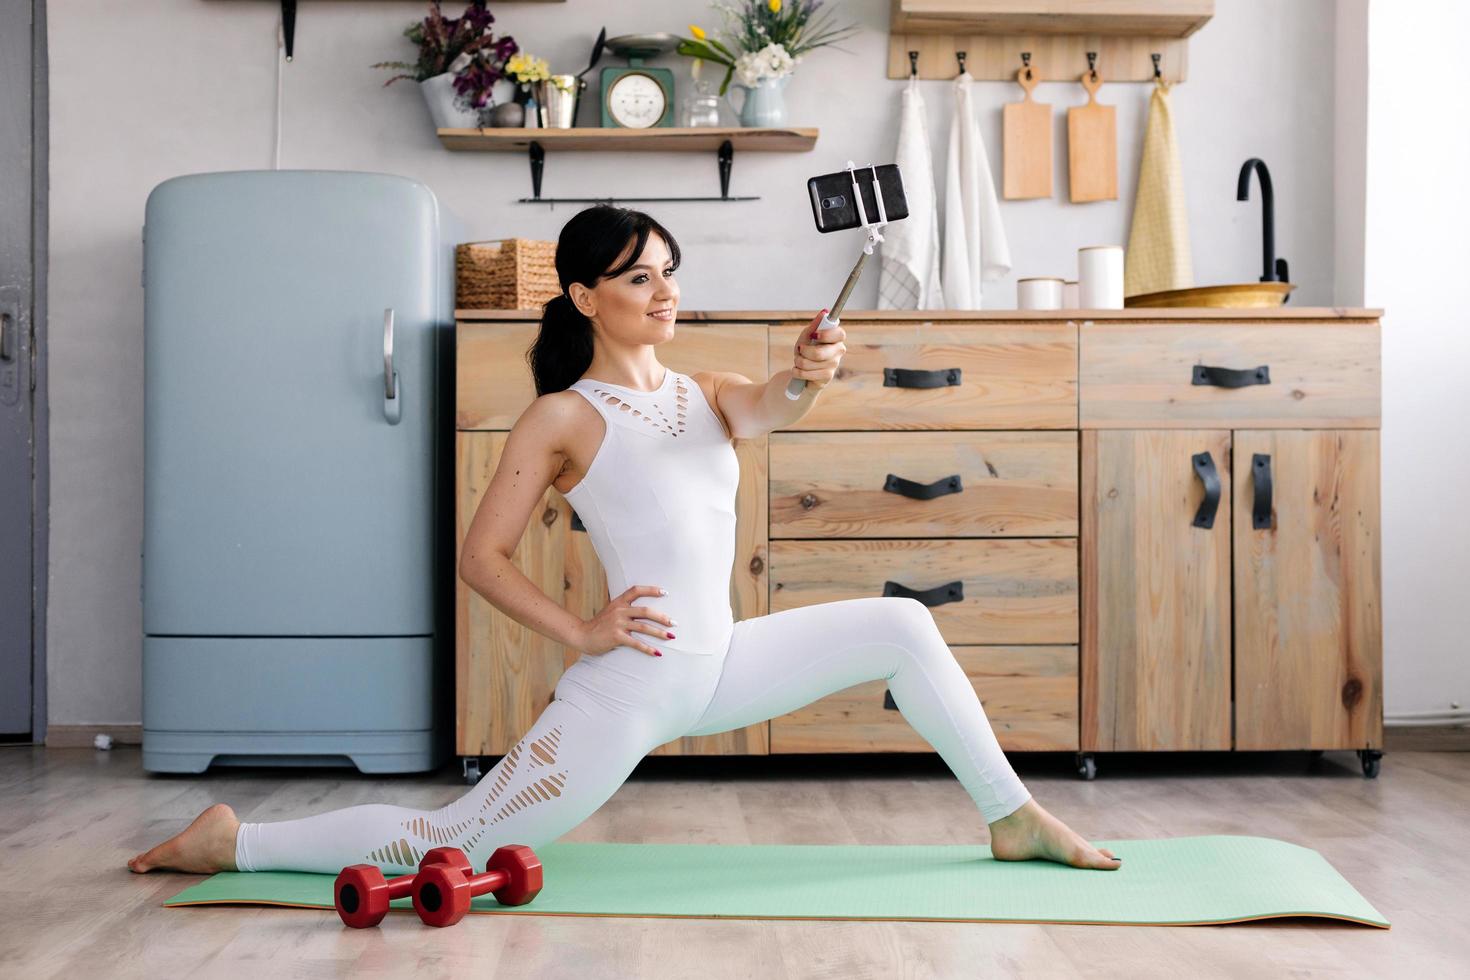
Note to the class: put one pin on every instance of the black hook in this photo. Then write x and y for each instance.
(1026, 63)
(1155, 57)
(1092, 64)
(288, 24)
(913, 64)
(960, 56)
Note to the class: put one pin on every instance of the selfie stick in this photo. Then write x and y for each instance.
(796, 386)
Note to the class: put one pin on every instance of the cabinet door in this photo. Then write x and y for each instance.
(1155, 658)
(1308, 621)
(506, 673)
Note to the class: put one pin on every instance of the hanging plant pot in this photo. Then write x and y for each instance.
(447, 107)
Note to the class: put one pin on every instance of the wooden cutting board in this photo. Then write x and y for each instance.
(1092, 146)
(1027, 149)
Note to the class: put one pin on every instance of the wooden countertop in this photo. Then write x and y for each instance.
(1009, 316)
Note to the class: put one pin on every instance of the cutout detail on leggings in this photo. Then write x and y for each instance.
(542, 753)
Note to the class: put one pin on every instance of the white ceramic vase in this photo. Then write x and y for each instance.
(447, 107)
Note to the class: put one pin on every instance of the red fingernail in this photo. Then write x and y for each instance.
(657, 654)
(672, 636)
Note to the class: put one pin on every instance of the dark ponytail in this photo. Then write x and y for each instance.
(589, 243)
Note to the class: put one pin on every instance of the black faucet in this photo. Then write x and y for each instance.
(1274, 269)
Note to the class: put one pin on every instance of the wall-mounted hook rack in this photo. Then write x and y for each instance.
(1057, 33)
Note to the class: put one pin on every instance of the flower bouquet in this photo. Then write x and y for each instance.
(459, 60)
(764, 39)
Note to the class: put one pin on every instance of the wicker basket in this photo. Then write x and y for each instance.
(505, 274)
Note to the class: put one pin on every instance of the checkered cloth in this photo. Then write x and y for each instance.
(1158, 243)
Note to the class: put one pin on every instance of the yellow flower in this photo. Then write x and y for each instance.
(775, 6)
(696, 31)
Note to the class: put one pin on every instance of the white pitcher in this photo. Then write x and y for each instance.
(764, 103)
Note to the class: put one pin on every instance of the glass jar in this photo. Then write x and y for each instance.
(701, 108)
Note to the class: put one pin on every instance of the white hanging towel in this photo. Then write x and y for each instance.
(975, 247)
(908, 275)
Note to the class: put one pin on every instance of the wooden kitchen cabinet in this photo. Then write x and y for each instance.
(1036, 478)
(1263, 631)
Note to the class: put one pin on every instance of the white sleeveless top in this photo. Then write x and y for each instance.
(658, 501)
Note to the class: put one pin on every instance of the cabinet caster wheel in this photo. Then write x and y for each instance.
(1086, 766)
(472, 769)
(1370, 759)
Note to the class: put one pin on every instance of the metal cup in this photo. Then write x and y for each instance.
(557, 100)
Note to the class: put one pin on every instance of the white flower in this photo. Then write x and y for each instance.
(771, 61)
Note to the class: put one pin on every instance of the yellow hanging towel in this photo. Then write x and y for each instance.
(1158, 243)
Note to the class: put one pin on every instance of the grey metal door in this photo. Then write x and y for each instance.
(22, 117)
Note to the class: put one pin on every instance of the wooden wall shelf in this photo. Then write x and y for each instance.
(695, 139)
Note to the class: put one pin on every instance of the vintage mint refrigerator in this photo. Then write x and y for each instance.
(298, 490)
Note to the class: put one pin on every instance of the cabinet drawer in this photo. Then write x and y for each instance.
(923, 484)
(944, 376)
(1142, 375)
(493, 375)
(1029, 694)
(980, 590)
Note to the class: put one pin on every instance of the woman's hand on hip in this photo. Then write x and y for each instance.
(818, 352)
(615, 625)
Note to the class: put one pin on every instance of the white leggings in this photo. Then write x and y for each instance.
(611, 710)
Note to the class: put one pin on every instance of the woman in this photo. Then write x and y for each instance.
(644, 454)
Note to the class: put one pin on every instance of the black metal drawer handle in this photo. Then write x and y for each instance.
(922, 491)
(1223, 377)
(1204, 468)
(937, 596)
(915, 378)
(1261, 505)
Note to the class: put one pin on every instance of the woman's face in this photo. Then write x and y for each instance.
(639, 305)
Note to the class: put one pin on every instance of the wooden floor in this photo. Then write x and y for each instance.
(69, 819)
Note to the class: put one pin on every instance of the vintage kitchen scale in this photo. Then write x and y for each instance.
(637, 96)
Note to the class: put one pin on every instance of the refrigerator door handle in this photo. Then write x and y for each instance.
(392, 404)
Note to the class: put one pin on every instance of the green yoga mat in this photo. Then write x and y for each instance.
(1179, 881)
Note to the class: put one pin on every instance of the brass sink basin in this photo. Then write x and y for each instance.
(1234, 296)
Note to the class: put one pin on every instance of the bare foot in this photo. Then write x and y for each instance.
(1032, 833)
(207, 845)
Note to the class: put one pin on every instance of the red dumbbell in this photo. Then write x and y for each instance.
(441, 894)
(362, 895)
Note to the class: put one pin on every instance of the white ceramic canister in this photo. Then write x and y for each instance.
(1039, 293)
(1069, 295)
(1100, 277)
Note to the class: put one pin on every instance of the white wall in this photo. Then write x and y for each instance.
(151, 89)
(1417, 219)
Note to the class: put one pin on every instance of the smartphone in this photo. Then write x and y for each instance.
(833, 206)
